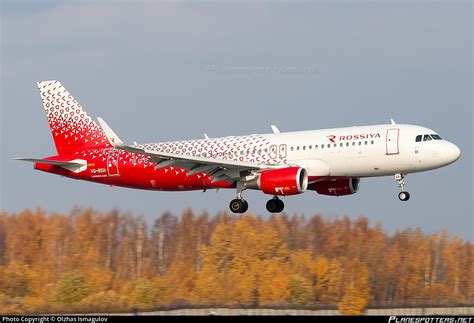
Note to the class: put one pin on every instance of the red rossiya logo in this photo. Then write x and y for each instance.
(333, 138)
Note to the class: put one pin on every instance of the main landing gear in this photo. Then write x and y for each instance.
(403, 195)
(275, 205)
(239, 205)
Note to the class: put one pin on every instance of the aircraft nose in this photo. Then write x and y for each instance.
(452, 153)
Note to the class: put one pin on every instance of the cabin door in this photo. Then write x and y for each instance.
(112, 163)
(392, 141)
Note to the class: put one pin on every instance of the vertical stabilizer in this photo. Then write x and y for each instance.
(72, 128)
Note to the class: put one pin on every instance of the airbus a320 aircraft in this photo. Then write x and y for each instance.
(328, 161)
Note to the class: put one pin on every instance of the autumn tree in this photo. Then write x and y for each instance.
(16, 280)
(300, 292)
(356, 295)
(71, 288)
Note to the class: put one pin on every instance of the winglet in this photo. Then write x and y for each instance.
(275, 129)
(110, 134)
(115, 140)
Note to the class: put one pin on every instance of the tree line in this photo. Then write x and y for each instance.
(90, 261)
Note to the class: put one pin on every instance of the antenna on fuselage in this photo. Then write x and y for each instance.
(275, 129)
(393, 122)
(206, 136)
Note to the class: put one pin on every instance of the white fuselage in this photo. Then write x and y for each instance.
(365, 151)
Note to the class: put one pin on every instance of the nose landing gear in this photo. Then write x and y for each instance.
(403, 195)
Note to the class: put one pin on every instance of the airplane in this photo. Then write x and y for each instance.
(328, 161)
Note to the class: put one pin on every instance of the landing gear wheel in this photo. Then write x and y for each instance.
(237, 205)
(246, 207)
(404, 196)
(281, 206)
(275, 205)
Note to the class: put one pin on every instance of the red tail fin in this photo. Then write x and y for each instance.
(72, 128)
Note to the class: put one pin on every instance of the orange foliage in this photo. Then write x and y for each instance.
(196, 260)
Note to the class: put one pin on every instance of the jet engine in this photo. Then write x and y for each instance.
(337, 187)
(283, 181)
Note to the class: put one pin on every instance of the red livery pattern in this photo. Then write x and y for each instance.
(136, 171)
(72, 128)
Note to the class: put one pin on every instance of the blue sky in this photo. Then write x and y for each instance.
(160, 71)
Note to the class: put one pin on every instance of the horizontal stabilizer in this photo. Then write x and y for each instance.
(76, 165)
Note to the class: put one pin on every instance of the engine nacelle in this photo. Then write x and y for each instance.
(337, 187)
(283, 181)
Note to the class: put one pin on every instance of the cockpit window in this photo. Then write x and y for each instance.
(436, 137)
(418, 138)
(426, 138)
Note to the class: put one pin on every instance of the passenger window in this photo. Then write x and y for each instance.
(291, 148)
(426, 138)
(366, 143)
(347, 144)
(304, 147)
(282, 151)
(341, 144)
(353, 143)
(322, 146)
(310, 147)
(315, 146)
(372, 142)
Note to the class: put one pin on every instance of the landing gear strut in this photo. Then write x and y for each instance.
(275, 205)
(403, 195)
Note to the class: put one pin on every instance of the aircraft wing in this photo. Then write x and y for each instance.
(227, 170)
